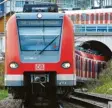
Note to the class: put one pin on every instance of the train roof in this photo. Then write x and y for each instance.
(35, 15)
(41, 4)
(28, 7)
(103, 10)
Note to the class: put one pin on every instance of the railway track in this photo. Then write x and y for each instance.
(76, 100)
(62, 104)
(89, 100)
(84, 100)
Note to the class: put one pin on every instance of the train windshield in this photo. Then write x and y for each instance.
(35, 35)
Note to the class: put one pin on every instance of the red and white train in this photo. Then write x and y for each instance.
(93, 16)
(88, 66)
(91, 22)
(40, 56)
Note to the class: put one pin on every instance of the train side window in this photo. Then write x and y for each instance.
(79, 66)
(92, 18)
(106, 17)
(97, 18)
(85, 68)
(83, 64)
(101, 18)
(110, 17)
(96, 69)
(87, 17)
(93, 69)
(89, 66)
(76, 61)
(83, 18)
(72, 18)
(77, 18)
(104, 65)
(99, 68)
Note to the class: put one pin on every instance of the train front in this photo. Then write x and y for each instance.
(39, 54)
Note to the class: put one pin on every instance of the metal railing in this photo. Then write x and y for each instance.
(105, 28)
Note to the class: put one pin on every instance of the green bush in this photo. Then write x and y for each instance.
(106, 74)
(105, 79)
(3, 94)
(91, 84)
(1, 75)
(103, 89)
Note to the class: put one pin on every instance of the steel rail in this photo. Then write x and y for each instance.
(90, 100)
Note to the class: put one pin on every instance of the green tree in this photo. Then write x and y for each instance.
(53, 1)
(84, 4)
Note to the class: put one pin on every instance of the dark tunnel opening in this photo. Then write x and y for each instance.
(97, 46)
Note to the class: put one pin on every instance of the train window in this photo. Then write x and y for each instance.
(97, 18)
(36, 23)
(77, 64)
(101, 18)
(90, 66)
(76, 61)
(110, 17)
(85, 68)
(104, 65)
(92, 18)
(99, 68)
(72, 18)
(87, 17)
(106, 17)
(37, 37)
(20, 3)
(77, 19)
(83, 18)
(93, 69)
(96, 69)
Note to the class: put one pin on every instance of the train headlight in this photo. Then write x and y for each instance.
(66, 65)
(14, 65)
(39, 15)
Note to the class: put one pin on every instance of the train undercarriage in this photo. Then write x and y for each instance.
(40, 90)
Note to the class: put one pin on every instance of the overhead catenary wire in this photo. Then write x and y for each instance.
(3, 2)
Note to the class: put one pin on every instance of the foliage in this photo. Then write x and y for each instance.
(1, 75)
(3, 94)
(90, 85)
(105, 79)
(106, 74)
(53, 1)
(104, 89)
(84, 4)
